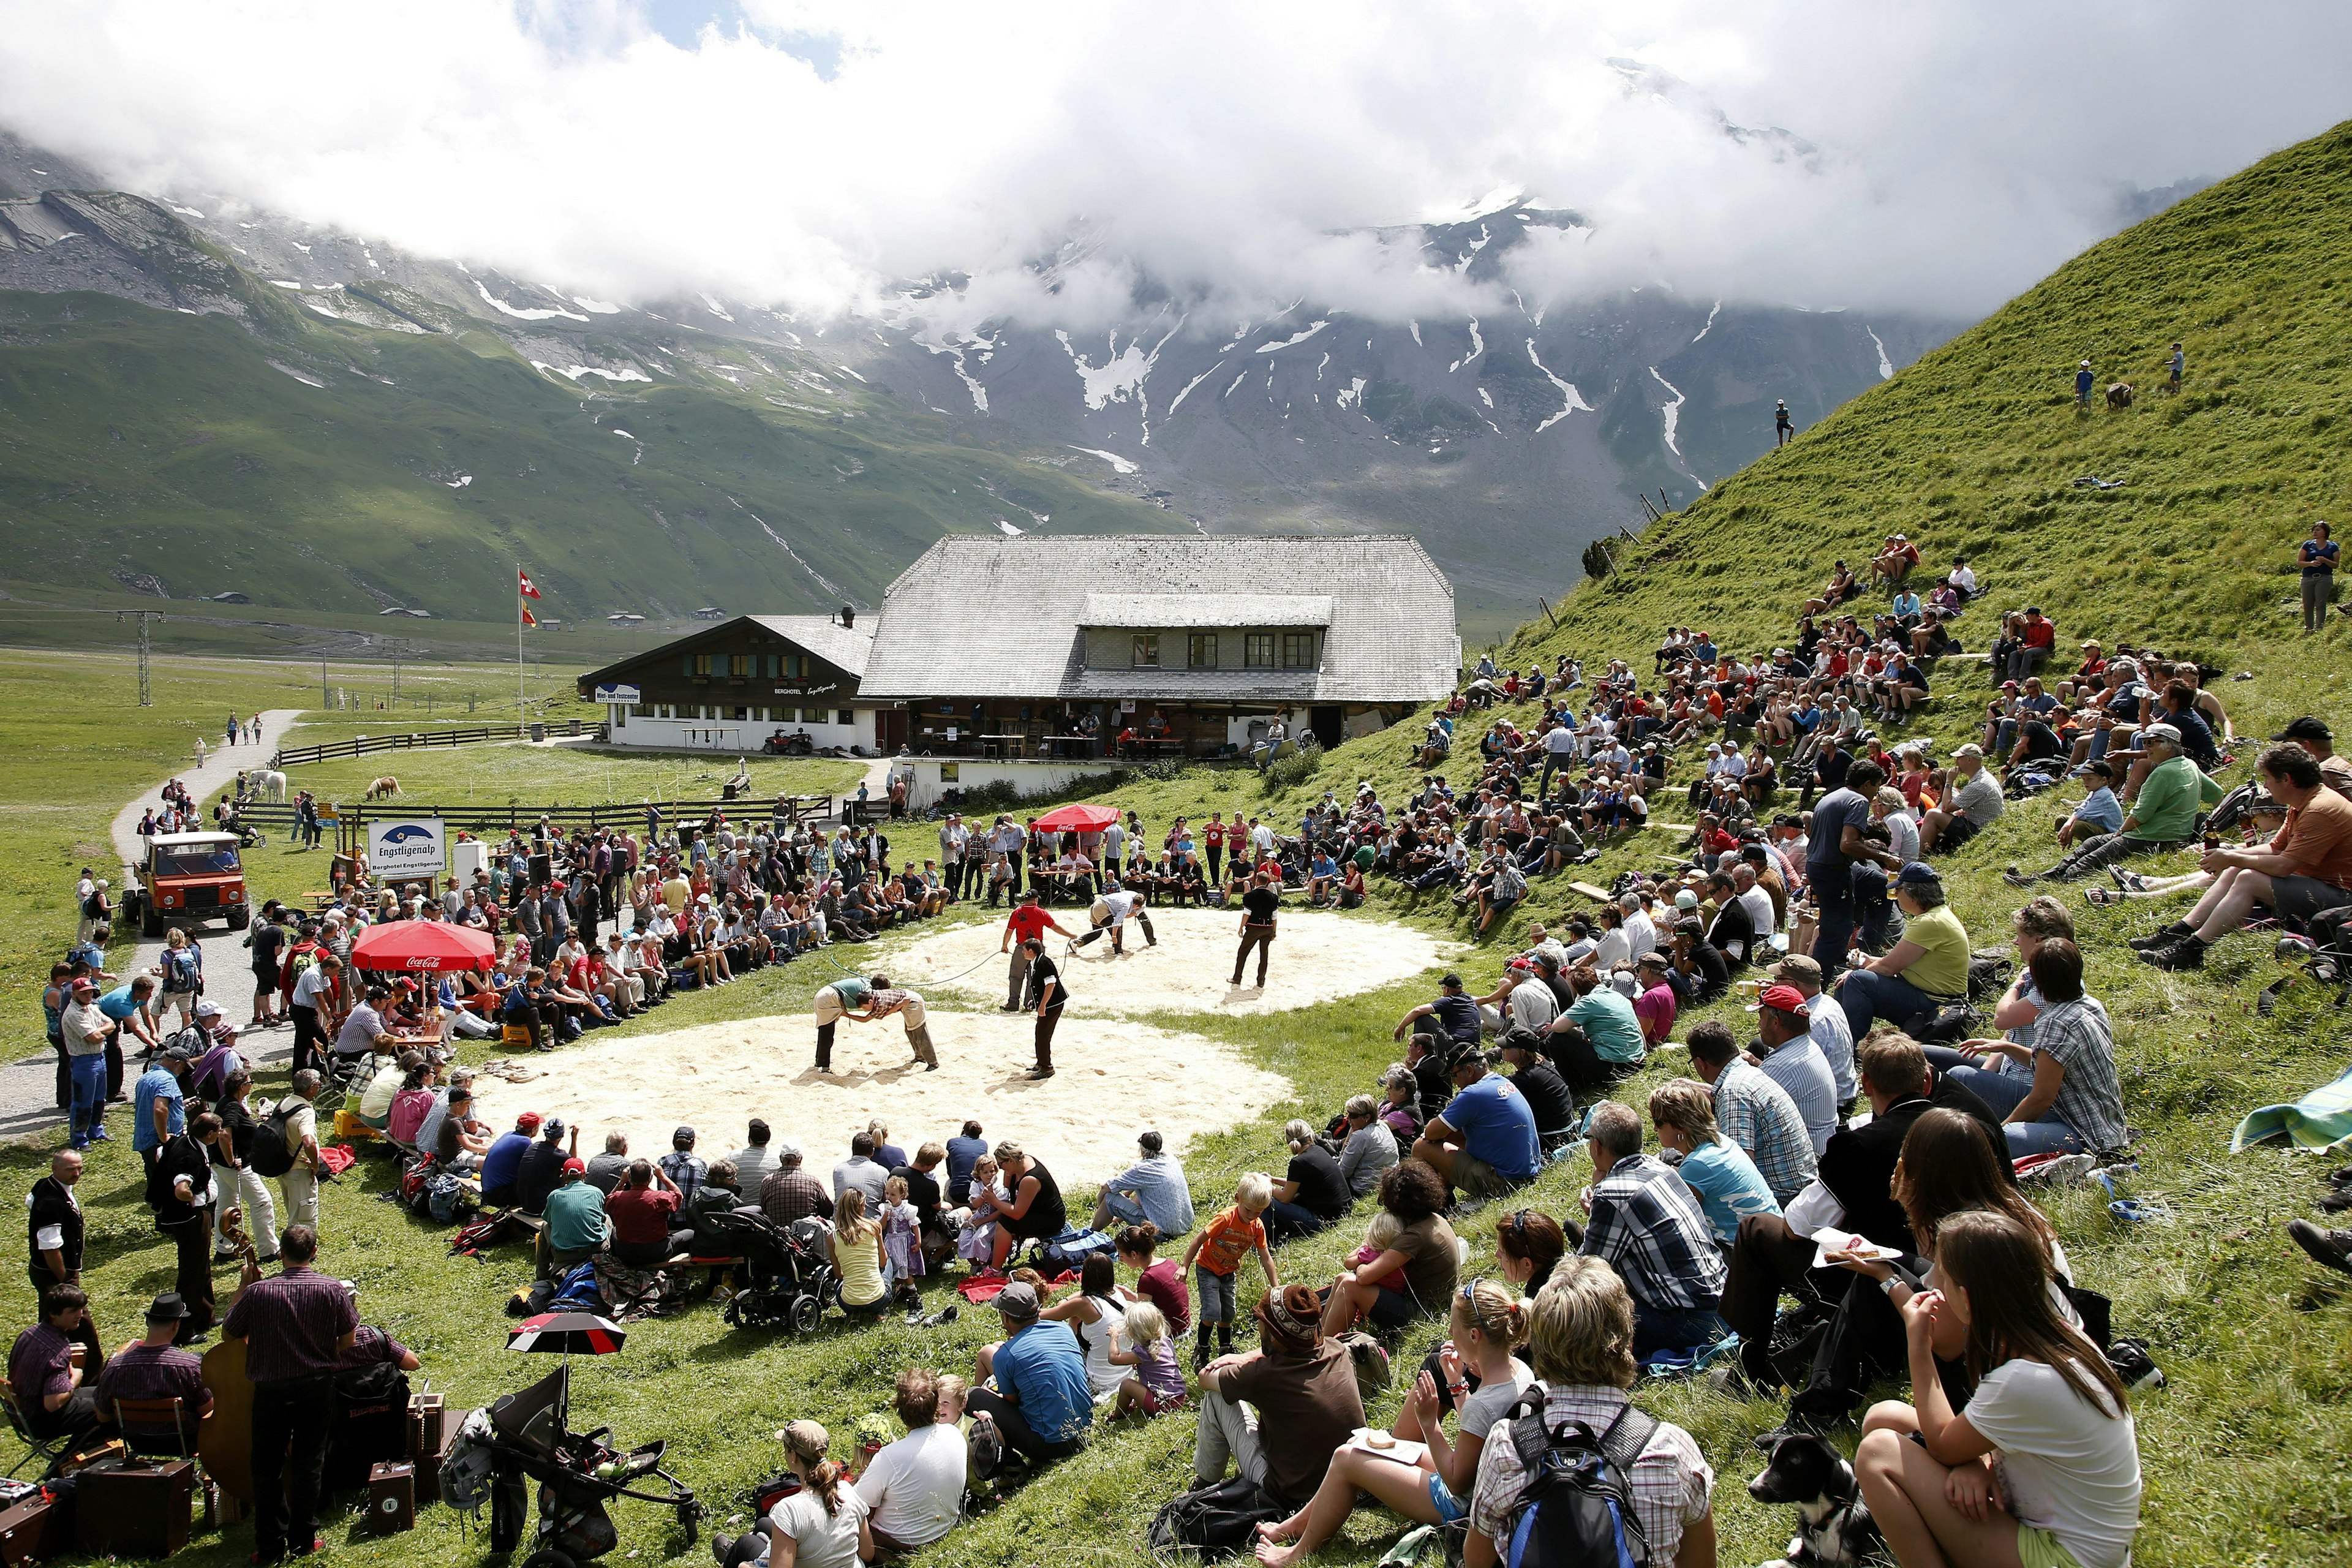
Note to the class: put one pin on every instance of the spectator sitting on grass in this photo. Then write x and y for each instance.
(1034, 1382)
(1719, 1172)
(2305, 870)
(1302, 1385)
(1485, 1142)
(1370, 1147)
(2163, 816)
(1752, 1111)
(1646, 1225)
(1971, 806)
(1311, 1193)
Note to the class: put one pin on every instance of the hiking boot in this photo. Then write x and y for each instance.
(721, 1548)
(2187, 954)
(2167, 937)
(2340, 1178)
(2329, 1249)
(2337, 1201)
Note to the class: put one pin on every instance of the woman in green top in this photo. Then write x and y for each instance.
(1922, 972)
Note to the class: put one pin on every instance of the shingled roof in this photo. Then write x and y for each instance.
(844, 647)
(987, 617)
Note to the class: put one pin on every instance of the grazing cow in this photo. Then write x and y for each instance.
(383, 788)
(2120, 394)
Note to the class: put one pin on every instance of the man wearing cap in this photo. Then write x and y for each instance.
(157, 1368)
(2162, 818)
(158, 1103)
(1453, 1016)
(1754, 1111)
(540, 1170)
(86, 1032)
(502, 1163)
(1786, 1053)
(2099, 813)
(2317, 739)
(1824, 1021)
(1973, 804)
(576, 1227)
(296, 1325)
(1923, 973)
(1485, 1142)
(1033, 1381)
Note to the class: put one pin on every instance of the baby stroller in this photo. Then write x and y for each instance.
(787, 1274)
(527, 1436)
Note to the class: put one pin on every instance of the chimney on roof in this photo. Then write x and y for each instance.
(848, 617)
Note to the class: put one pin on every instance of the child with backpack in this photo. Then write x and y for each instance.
(1215, 1257)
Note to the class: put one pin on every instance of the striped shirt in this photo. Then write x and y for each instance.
(2078, 1037)
(1757, 1114)
(1671, 1480)
(1646, 1225)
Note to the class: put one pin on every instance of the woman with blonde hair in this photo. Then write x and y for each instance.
(822, 1524)
(1719, 1173)
(2043, 1466)
(1487, 1321)
(856, 1248)
(1580, 1342)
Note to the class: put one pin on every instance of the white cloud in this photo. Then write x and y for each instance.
(804, 151)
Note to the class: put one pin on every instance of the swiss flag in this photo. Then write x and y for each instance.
(528, 619)
(524, 584)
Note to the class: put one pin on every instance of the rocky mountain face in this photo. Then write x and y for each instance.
(1505, 442)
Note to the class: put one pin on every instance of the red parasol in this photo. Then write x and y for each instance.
(1078, 819)
(567, 1331)
(423, 945)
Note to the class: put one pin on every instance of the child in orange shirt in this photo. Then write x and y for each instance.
(1219, 1251)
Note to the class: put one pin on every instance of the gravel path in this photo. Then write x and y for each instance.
(29, 1088)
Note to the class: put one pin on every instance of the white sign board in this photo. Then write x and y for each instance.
(618, 694)
(407, 847)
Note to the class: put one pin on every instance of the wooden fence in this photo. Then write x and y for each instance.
(498, 819)
(423, 740)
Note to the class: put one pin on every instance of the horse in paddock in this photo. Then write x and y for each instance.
(383, 788)
(267, 784)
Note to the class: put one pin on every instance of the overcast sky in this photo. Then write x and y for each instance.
(1940, 157)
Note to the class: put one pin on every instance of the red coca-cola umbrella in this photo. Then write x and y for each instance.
(1078, 819)
(423, 945)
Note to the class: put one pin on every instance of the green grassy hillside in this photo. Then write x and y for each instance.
(322, 466)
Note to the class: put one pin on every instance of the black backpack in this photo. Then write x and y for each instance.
(1576, 1510)
(1216, 1522)
(272, 1154)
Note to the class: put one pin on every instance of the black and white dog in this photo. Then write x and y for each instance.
(1833, 1524)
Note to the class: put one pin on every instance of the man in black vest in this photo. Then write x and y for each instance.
(53, 1233)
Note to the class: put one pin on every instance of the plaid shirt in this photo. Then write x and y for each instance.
(1670, 1481)
(1645, 1225)
(291, 1325)
(793, 1194)
(1757, 1114)
(2091, 1100)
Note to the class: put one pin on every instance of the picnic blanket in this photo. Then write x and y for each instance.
(2320, 1120)
(985, 1286)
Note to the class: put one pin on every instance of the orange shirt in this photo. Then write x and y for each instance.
(2318, 838)
(1228, 1238)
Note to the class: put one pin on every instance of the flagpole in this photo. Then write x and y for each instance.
(521, 717)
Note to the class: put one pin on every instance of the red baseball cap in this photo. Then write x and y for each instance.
(528, 1122)
(1783, 999)
(575, 1165)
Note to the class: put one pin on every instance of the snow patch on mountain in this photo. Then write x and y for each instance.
(521, 313)
(1886, 365)
(716, 309)
(1189, 386)
(596, 307)
(298, 375)
(573, 372)
(1710, 321)
(1478, 347)
(1292, 341)
(188, 212)
(827, 584)
(1119, 464)
(1008, 529)
(1416, 333)
(1671, 413)
(1353, 397)
(1567, 389)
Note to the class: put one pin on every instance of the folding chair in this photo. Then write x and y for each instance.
(154, 1413)
(48, 1449)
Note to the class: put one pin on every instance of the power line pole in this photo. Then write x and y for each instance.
(146, 692)
(326, 692)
